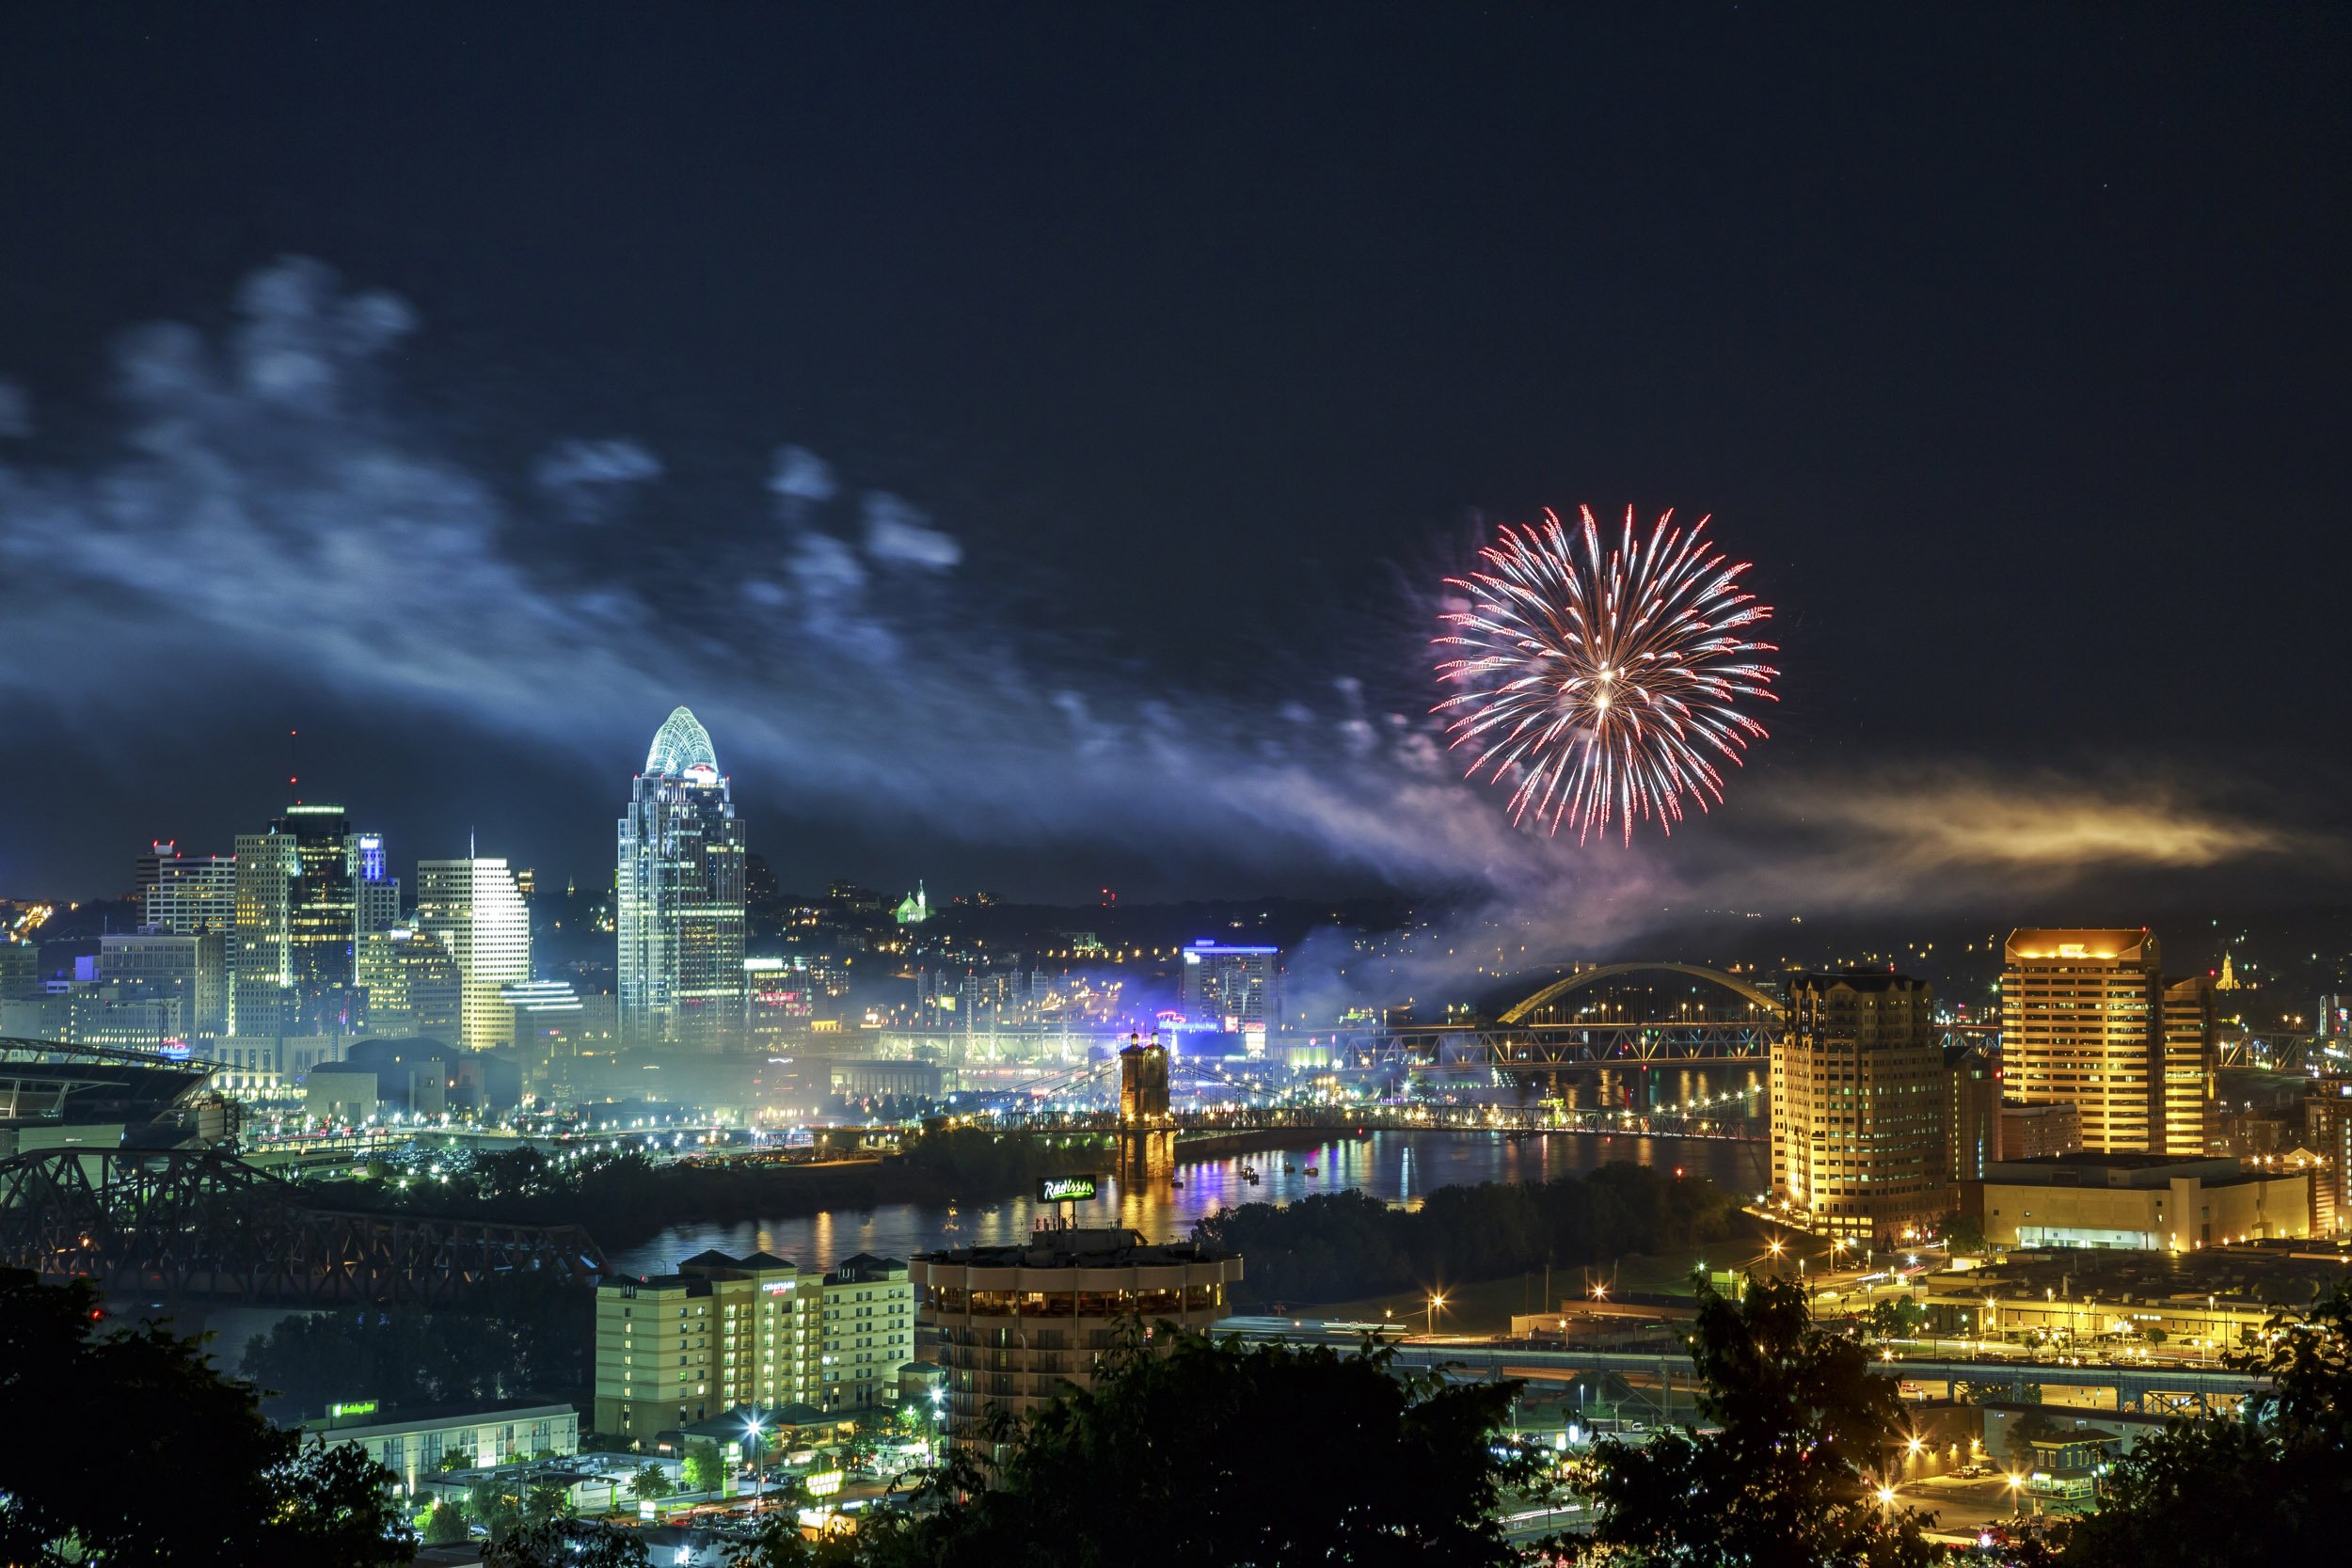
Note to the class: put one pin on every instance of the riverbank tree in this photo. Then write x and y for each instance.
(1336, 1245)
(624, 1194)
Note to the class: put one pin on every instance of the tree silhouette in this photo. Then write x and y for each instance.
(2275, 1486)
(1798, 1428)
(1189, 1451)
(191, 1474)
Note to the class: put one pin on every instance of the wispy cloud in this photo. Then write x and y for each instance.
(267, 506)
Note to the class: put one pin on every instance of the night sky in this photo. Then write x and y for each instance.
(1031, 436)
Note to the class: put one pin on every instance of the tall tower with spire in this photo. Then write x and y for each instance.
(679, 897)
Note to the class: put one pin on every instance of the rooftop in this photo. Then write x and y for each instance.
(1073, 1249)
(681, 747)
(1852, 979)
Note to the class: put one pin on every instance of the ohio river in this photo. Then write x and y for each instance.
(1393, 1166)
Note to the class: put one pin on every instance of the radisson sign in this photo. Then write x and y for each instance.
(1065, 1188)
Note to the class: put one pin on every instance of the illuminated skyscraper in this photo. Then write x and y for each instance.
(414, 987)
(1859, 1145)
(186, 894)
(297, 914)
(375, 891)
(2088, 1019)
(473, 909)
(679, 897)
(1236, 988)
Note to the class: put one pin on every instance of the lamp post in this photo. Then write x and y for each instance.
(1435, 1301)
(759, 1468)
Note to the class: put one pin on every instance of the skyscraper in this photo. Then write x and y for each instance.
(414, 987)
(474, 911)
(375, 891)
(297, 917)
(2088, 1019)
(1236, 988)
(186, 894)
(679, 897)
(1858, 1108)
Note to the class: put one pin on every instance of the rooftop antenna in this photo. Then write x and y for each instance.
(294, 766)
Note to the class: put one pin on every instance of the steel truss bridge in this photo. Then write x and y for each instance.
(202, 1225)
(1533, 1036)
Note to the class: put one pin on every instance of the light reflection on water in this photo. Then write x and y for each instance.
(1393, 1167)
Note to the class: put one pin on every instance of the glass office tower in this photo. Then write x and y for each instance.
(680, 898)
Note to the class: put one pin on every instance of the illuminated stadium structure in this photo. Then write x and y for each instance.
(44, 1084)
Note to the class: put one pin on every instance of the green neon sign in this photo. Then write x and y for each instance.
(356, 1407)
(1065, 1188)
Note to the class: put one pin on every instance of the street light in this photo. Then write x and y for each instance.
(759, 1468)
(1435, 1302)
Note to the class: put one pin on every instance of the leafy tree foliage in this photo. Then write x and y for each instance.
(1799, 1426)
(495, 1509)
(624, 1193)
(568, 1544)
(650, 1484)
(145, 1455)
(546, 1503)
(1333, 1246)
(521, 1334)
(1897, 1317)
(1191, 1452)
(2274, 1487)
(702, 1470)
(1963, 1233)
(444, 1525)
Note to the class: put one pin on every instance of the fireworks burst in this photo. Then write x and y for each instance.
(1603, 686)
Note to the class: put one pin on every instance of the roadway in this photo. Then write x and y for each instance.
(2135, 1385)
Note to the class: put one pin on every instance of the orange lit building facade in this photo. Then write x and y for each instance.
(1860, 1135)
(2089, 1019)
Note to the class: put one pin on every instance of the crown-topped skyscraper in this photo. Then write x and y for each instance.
(680, 898)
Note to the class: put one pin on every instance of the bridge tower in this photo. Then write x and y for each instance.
(1147, 1134)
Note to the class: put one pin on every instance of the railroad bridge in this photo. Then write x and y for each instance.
(201, 1225)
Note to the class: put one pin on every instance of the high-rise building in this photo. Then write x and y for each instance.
(721, 1333)
(2088, 1019)
(183, 969)
(413, 986)
(1236, 988)
(1859, 1144)
(869, 1333)
(20, 971)
(1972, 1112)
(375, 891)
(2191, 1062)
(183, 894)
(2038, 1131)
(473, 909)
(982, 1303)
(260, 958)
(680, 898)
(297, 918)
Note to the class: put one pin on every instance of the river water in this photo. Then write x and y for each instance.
(1393, 1166)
